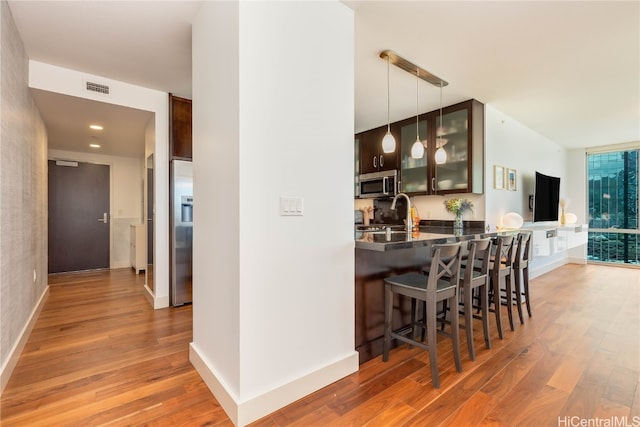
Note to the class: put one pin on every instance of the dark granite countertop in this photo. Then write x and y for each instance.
(378, 241)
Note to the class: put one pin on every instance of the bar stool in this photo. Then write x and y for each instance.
(441, 284)
(521, 272)
(475, 278)
(500, 271)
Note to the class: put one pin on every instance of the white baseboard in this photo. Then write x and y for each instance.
(156, 302)
(14, 354)
(243, 413)
(577, 261)
(160, 302)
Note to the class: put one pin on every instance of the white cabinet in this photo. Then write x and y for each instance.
(576, 235)
(138, 247)
(545, 241)
(551, 240)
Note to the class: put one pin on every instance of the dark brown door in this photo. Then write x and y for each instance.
(78, 216)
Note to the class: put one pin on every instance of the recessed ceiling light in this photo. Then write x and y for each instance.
(94, 145)
(96, 127)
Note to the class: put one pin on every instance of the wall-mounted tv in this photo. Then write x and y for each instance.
(546, 198)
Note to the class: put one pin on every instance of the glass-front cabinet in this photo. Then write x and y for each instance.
(461, 135)
(453, 136)
(413, 171)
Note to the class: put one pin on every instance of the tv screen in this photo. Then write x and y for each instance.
(546, 198)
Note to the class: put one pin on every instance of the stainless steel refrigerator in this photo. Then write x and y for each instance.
(181, 230)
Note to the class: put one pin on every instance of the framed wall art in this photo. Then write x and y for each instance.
(512, 180)
(498, 177)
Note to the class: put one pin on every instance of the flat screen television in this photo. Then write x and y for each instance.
(546, 198)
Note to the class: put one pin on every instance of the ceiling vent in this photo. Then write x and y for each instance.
(97, 87)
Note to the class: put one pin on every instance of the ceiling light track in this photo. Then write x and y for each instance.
(411, 68)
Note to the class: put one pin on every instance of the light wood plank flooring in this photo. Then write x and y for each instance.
(100, 356)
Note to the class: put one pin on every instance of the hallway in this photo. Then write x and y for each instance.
(100, 355)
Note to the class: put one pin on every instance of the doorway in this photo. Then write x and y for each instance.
(78, 216)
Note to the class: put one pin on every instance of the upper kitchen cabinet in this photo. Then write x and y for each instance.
(462, 132)
(372, 158)
(413, 172)
(179, 128)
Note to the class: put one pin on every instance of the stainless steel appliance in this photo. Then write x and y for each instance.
(378, 184)
(181, 230)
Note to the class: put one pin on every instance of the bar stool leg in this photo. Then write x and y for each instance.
(509, 287)
(484, 306)
(518, 294)
(433, 348)
(388, 315)
(468, 322)
(455, 332)
(525, 279)
(495, 283)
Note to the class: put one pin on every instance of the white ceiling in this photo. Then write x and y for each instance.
(569, 70)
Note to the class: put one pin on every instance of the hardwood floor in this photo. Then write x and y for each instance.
(99, 355)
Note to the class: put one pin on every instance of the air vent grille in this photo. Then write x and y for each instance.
(97, 87)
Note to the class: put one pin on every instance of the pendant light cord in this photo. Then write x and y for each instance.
(417, 103)
(440, 129)
(388, 96)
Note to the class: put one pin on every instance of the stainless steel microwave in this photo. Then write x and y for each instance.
(378, 184)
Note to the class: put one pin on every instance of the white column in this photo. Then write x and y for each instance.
(272, 117)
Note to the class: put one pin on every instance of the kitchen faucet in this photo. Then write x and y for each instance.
(409, 220)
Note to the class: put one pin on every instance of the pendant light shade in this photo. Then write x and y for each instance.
(417, 149)
(388, 142)
(440, 156)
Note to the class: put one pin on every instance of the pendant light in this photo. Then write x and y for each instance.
(388, 142)
(417, 149)
(441, 155)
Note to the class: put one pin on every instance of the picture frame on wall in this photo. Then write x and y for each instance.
(512, 180)
(498, 177)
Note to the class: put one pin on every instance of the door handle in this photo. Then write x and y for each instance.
(105, 218)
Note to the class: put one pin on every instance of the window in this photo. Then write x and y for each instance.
(613, 207)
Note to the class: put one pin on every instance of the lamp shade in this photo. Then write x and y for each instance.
(512, 220)
(570, 218)
(441, 156)
(388, 143)
(417, 150)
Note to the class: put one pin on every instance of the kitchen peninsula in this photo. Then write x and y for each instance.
(380, 254)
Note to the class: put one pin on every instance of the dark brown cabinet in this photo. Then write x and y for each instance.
(372, 158)
(180, 145)
(462, 135)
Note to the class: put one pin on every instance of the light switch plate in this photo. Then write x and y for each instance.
(291, 206)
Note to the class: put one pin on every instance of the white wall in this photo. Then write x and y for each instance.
(216, 184)
(510, 144)
(272, 116)
(71, 82)
(577, 202)
(125, 197)
(23, 200)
